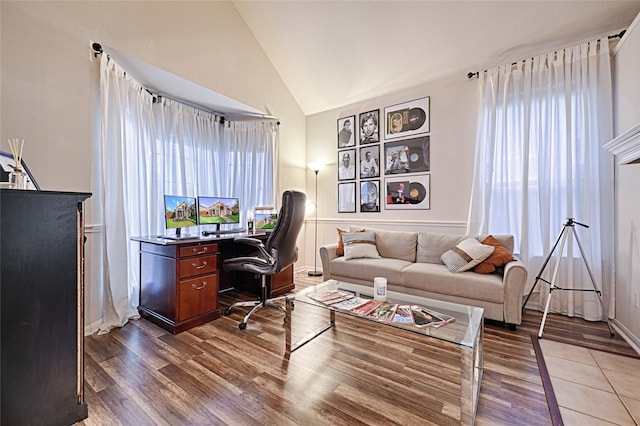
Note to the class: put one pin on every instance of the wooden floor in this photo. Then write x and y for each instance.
(356, 373)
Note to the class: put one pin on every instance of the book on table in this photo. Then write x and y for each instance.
(349, 304)
(384, 312)
(403, 314)
(367, 308)
(423, 317)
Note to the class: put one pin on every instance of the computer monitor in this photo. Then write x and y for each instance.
(265, 221)
(218, 211)
(180, 212)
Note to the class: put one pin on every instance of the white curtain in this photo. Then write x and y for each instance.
(152, 147)
(541, 125)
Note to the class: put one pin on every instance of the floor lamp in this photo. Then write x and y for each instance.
(315, 272)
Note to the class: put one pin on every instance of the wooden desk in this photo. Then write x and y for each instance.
(180, 279)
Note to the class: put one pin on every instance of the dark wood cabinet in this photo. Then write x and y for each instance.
(41, 297)
(180, 279)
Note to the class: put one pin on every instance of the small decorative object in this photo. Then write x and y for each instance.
(407, 119)
(250, 222)
(380, 289)
(17, 177)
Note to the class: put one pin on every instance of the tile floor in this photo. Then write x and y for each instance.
(593, 387)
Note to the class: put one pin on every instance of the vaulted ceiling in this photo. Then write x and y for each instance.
(334, 53)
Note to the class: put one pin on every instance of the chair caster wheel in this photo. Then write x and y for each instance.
(242, 325)
(227, 311)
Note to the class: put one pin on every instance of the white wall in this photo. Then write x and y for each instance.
(627, 115)
(453, 105)
(49, 87)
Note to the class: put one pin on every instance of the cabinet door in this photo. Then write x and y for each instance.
(197, 296)
(200, 265)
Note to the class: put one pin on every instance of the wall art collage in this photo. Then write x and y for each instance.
(402, 159)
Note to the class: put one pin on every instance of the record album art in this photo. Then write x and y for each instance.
(407, 119)
(407, 192)
(407, 156)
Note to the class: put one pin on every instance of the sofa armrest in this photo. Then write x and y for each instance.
(514, 279)
(327, 254)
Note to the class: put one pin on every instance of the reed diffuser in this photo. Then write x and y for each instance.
(17, 178)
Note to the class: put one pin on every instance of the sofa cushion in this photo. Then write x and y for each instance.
(360, 244)
(500, 257)
(432, 245)
(434, 278)
(395, 244)
(340, 248)
(368, 269)
(467, 254)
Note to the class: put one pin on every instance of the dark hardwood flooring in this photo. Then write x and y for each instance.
(356, 373)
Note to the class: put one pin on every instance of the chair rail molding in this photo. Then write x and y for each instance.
(626, 147)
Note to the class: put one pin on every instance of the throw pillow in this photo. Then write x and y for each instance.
(467, 254)
(360, 244)
(500, 257)
(340, 248)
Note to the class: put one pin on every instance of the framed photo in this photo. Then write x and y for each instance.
(369, 129)
(369, 196)
(407, 119)
(346, 132)
(347, 197)
(347, 164)
(408, 192)
(369, 161)
(407, 156)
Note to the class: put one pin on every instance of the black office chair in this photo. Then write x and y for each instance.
(276, 254)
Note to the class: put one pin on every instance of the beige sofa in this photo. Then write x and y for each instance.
(411, 263)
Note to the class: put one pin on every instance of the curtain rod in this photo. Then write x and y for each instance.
(472, 74)
(98, 50)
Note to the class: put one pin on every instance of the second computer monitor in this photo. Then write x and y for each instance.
(218, 211)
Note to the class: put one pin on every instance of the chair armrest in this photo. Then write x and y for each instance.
(254, 242)
(514, 279)
(327, 254)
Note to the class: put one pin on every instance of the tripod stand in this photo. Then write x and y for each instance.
(569, 226)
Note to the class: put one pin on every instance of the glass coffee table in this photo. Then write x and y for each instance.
(464, 333)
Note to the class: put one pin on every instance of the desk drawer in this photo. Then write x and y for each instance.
(197, 250)
(197, 266)
(197, 296)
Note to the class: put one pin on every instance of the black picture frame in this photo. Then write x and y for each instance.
(407, 156)
(347, 171)
(347, 197)
(407, 119)
(369, 167)
(370, 196)
(369, 127)
(7, 163)
(346, 132)
(408, 192)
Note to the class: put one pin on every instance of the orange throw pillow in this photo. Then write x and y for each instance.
(340, 248)
(500, 257)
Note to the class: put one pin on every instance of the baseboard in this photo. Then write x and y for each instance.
(627, 335)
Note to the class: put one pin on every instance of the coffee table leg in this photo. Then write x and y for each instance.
(470, 379)
(289, 346)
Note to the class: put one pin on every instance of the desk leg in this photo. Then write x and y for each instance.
(289, 346)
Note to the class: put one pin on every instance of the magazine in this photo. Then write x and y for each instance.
(384, 312)
(367, 308)
(330, 297)
(423, 317)
(349, 304)
(403, 314)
